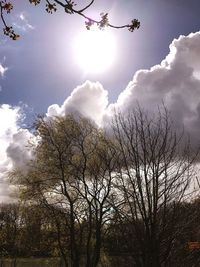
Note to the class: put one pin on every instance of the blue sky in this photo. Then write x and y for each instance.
(41, 69)
(158, 63)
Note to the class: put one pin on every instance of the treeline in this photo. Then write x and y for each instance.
(86, 193)
(31, 232)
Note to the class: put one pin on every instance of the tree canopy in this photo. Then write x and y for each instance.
(131, 182)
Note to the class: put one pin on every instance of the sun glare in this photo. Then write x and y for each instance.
(94, 50)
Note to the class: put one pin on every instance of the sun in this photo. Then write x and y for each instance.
(94, 50)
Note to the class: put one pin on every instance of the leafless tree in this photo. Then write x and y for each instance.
(154, 174)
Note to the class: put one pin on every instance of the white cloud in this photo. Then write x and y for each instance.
(2, 70)
(8, 119)
(22, 23)
(175, 81)
(18, 149)
(89, 99)
(13, 146)
(22, 16)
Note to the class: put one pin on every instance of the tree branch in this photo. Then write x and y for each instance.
(69, 7)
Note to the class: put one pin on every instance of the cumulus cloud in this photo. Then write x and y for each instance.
(18, 149)
(89, 99)
(13, 146)
(174, 82)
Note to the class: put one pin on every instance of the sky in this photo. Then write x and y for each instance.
(39, 73)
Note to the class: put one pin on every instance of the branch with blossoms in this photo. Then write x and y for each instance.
(6, 7)
(70, 8)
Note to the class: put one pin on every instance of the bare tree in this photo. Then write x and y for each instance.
(155, 171)
(70, 8)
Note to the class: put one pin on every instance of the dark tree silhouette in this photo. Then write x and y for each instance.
(155, 172)
(70, 8)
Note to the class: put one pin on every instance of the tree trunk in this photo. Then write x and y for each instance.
(97, 249)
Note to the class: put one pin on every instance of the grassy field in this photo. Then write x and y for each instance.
(31, 262)
(47, 262)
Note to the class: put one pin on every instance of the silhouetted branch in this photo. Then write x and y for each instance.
(6, 7)
(69, 8)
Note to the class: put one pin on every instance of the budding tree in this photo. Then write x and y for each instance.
(71, 176)
(70, 8)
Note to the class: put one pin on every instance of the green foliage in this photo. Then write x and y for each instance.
(70, 177)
